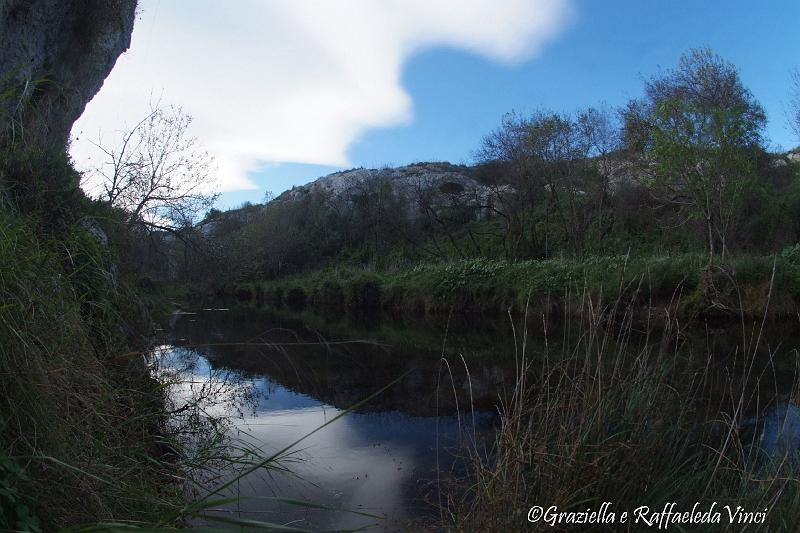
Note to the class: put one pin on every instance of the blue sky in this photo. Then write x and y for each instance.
(601, 57)
(348, 83)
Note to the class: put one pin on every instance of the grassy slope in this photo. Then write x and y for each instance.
(81, 419)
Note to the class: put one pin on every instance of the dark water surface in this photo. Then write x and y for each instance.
(276, 378)
(280, 378)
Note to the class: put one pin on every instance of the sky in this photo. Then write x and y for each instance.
(285, 91)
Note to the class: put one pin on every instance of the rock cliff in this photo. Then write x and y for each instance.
(54, 57)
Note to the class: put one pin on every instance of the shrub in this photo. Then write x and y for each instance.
(364, 292)
(331, 294)
(244, 294)
(295, 298)
(42, 184)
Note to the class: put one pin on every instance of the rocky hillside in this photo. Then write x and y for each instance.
(416, 185)
(447, 177)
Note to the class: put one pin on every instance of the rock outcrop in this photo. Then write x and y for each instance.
(54, 57)
(451, 178)
(420, 185)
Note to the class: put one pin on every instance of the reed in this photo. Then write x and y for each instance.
(632, 418)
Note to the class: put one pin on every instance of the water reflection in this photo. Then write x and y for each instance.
(774, 436)
(341, 367)
(275, 378)
(379, 463)
(196, 387)
(781, 430)
(275, 386)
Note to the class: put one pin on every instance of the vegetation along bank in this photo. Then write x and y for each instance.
(675, 200)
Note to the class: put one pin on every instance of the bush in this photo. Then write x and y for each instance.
(295, 298)
(244, 294)
(331, 295)
(42, 184)
(364, 292)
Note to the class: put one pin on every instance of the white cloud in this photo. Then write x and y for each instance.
(296, 80)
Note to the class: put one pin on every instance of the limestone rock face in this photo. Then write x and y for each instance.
(54, 57)
(434, 185)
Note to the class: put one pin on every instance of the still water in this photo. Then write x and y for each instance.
(275, 379)
(270, 379)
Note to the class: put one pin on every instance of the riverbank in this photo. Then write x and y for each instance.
(83, 424)
(685, 286)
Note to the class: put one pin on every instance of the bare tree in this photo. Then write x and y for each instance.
(157, 172)
(507, 148)
(558, 167)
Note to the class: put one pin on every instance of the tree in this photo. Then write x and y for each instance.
(558, 167)
(698, 130)
(505, 149)
(158, 173)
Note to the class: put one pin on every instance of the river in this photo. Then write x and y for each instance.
(274, 378)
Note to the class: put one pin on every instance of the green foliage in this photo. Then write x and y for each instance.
(791, 254)
(41, 183)
(364, 292)
(331, 294)
(80, 413)
(295, 298)
(14, 513)
(685, 282)
(456, 278)
(701, 130)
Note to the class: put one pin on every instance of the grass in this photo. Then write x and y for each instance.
(634, 424)
(610, 416)
(90, 437)
(78, 407)
(607, 418)
(83, 427)
(728, 289)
